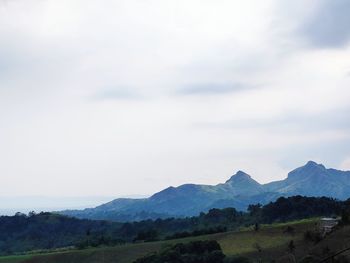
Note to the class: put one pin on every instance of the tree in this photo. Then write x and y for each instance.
(254, 210)
(19, 214)
(345, 217)
(291, 246)
(88, 233)
(31, 213)
(256, 227)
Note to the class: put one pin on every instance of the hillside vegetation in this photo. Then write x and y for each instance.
(271, 240)
(22, 233)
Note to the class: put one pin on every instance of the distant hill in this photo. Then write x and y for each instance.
(314, 179)
(239, 191)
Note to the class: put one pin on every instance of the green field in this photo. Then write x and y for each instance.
(270, 238)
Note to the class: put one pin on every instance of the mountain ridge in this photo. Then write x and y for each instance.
(238, 191)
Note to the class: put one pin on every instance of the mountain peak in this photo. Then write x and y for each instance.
(239, 176)
(310, 164)
(241, 173)
(310, 169)
(242, 184)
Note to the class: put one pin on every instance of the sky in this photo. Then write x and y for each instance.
(115, 98)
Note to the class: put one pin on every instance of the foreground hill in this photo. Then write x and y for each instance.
(271, 239)
(48, 231)
(239, 191)
(45, 231)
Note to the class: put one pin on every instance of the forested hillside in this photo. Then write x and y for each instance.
(21, 232)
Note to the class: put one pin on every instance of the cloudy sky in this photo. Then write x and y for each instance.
(114, 98)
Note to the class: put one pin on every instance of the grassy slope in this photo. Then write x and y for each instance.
(270, 238)
(336, 241)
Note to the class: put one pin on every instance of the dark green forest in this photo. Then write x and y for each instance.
(21, 233)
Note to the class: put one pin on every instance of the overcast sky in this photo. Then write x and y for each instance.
(112, 98)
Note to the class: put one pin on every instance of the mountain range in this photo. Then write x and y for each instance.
(239, 191)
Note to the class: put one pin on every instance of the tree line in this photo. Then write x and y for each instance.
(20, 233)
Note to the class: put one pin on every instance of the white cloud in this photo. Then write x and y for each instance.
(91, 94)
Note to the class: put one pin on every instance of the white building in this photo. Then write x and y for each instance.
(327, 224)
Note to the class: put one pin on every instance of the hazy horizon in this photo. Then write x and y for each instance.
(117, 98)
(9, 205)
